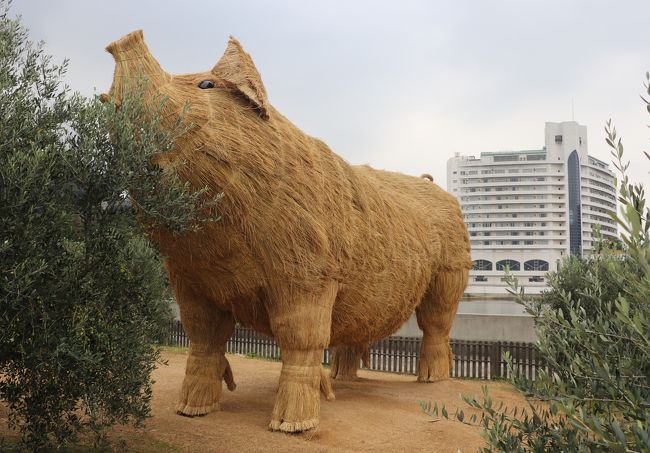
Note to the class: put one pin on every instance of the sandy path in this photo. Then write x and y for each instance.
(379, 412)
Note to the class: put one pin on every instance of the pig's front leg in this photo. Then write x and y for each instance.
(301, 326)
(207, 366)
(201, 391)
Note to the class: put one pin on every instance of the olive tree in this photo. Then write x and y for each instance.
(83, 295)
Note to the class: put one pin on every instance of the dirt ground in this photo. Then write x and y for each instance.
(377, 413)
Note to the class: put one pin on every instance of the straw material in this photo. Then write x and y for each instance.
(202, 386)
(311, 250)
(345, 361)
(326, 385)
(434, 316)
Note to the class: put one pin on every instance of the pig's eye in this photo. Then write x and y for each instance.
(206, 84)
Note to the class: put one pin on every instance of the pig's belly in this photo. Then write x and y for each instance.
(370, 320)
(359, 324)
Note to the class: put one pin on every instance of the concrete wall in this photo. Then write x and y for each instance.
(482, 327)
(473, 326)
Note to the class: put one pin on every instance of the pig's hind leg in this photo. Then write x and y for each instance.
(208, 329)
(345, 360)
(435, 315)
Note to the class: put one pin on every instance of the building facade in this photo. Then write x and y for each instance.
(526, 210)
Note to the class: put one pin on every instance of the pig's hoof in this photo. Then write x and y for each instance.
(429, 379)
(433, 372)
(347, 377)
(293, 427)
(297, 402)
(195, 411)
(435, 362)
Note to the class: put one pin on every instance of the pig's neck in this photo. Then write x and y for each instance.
(243, 180)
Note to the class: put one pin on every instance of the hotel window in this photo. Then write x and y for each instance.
(536, 265)
(482, 265)
(511, 264)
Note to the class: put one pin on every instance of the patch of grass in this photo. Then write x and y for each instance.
(253, 355)
(248, 355)
(144, 443)
(174, 349)
(135, 441)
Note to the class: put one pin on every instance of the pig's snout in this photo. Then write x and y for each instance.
(133, 61)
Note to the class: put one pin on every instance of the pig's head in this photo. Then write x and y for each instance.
(232, 88)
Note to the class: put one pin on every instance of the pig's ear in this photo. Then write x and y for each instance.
(237, 70)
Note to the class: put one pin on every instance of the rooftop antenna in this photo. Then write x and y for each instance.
(572, 115)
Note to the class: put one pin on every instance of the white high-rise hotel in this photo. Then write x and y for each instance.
(528, 209)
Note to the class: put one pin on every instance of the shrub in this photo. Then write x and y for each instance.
(83, 296)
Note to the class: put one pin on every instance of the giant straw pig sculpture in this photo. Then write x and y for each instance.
(311, 250)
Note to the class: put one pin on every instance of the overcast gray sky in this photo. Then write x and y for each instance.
(399, 85)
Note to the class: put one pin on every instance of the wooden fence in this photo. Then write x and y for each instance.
(472, 359)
